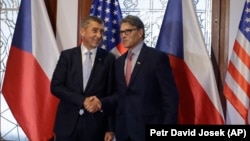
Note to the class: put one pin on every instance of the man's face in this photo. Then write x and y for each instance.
(92, 34)
(130, 35)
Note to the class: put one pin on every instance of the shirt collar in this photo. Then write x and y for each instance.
(137, 49)
(84, 49)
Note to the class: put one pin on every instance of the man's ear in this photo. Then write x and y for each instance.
(82, 31)
(141, 32)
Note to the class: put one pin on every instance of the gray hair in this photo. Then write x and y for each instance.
(88, 19)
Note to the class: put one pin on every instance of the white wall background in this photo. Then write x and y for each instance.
(67, 22)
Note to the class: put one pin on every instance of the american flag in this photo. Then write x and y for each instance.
(237, 81)
(109, 11)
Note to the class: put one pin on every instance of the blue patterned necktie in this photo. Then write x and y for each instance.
(87, 68)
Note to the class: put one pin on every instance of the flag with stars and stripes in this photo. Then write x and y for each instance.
(109, 11)
(237, 81)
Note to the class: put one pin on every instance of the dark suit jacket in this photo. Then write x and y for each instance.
(67, 85)
(150, 98)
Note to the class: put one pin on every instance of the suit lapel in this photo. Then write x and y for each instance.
(139, 62)
(122, 66)
(98, 59)
(78, 60)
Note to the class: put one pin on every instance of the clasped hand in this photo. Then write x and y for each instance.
(92, 104)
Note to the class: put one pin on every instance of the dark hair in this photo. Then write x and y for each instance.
(134, 21)
(88, 19)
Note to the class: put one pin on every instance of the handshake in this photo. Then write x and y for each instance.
(92, 104)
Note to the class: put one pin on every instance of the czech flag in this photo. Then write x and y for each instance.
(181, 39)
(31, 62)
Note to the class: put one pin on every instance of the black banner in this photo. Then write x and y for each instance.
(224, 132)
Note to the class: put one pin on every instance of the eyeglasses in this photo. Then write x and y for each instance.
(127, 31)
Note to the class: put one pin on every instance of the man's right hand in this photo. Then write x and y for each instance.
(92, 104)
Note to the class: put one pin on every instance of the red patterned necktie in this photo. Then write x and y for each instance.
(129, 67)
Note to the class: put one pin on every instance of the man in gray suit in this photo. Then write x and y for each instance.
(146, 92)
(73, 122)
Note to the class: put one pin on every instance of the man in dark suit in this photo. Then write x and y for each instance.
(73, 122)
(146, 92)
